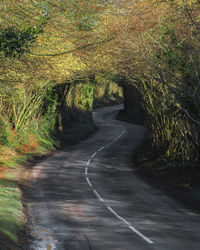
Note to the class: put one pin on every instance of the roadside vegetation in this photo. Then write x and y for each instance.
(60, 59)
(47, 92)
(160, 50)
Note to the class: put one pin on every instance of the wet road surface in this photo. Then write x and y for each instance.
(87, 197)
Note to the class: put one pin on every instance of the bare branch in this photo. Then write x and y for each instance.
(76, 49)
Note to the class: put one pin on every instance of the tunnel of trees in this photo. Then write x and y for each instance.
(150, 48)
(59, 58)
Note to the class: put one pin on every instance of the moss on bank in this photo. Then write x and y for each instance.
(179, 181)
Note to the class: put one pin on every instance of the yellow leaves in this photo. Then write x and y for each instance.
(11, 75)
(182, 3)
(63, 66)
(59, 67)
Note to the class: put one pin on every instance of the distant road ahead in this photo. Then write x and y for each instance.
(87, 197)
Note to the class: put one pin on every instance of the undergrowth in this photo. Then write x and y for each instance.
(179, 181)
(34, 120)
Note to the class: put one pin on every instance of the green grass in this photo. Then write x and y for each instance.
(12, 218)
(27, 137)
(11, 211)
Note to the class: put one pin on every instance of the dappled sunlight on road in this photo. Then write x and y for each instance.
(113, 210)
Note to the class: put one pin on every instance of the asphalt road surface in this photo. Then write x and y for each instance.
(88, 197)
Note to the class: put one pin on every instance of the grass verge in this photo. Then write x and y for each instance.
(12, 217)
(11, 210)
(13, 220)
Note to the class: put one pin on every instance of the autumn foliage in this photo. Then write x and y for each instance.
(158, 52)
(151, 44)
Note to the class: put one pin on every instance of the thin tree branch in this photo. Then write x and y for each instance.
(76, 49)
(192, 20)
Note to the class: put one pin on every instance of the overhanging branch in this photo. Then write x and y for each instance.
(78, 48)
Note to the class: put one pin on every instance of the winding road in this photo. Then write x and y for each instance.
(87, 197)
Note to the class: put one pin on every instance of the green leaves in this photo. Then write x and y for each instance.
(15, 42)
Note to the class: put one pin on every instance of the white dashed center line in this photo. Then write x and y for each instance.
(88, 181)
(102, 200)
